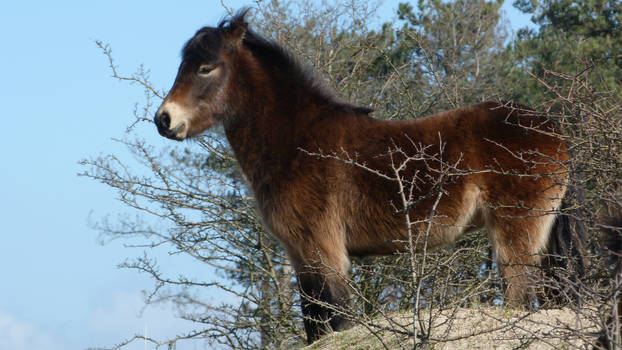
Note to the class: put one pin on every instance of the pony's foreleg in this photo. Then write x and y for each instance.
(324, 293)
(324, 300)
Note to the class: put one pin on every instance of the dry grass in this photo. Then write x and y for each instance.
(481, 328)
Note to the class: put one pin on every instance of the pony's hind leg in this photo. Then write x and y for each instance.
(518, 239)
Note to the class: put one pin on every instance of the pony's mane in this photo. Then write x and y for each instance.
(273, 55)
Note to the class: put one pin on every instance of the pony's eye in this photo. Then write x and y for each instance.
(205, 69)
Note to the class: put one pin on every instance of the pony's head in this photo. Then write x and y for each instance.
(199, 97)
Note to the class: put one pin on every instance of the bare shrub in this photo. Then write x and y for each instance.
(194, 201)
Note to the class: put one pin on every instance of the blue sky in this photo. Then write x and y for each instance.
(60, 288)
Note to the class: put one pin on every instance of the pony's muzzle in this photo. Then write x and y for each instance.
(162, 121)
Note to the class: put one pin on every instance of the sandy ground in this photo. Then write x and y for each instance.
(480, 328)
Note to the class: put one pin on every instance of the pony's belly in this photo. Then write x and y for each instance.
(387, 234)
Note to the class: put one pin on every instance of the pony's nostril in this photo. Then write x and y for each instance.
(165, 119)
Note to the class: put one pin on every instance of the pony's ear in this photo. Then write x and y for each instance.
(236, 28)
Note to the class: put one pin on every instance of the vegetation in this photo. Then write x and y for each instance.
(439, 55)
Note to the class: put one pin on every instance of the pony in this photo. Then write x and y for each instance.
(321, 168)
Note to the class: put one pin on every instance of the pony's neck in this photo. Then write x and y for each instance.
(269, 114)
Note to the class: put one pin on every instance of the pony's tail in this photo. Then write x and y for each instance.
(565, 261)
(612, 334)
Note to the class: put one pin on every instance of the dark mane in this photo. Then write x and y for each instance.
(203, 46)
(284, 64)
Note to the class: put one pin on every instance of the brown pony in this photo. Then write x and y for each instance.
(278, 117)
